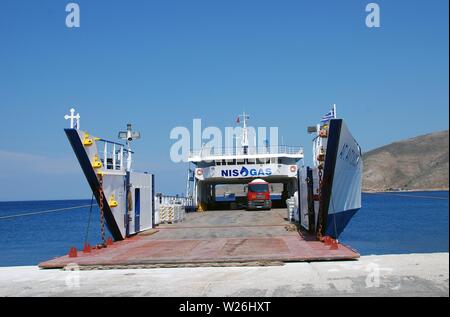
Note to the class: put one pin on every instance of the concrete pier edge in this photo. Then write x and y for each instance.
(377, 275)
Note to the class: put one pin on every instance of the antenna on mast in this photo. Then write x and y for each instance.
(129, 136)
(244, 141)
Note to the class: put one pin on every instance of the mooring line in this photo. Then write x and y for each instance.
(42, 212)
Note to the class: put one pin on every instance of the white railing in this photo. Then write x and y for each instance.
(114, 156)
(172, 200)
(251, 150)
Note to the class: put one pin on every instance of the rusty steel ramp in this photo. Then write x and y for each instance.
(213, 238)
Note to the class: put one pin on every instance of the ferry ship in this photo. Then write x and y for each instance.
(326, 194)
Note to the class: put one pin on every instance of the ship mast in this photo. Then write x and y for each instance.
(129, 136)
(244, 140)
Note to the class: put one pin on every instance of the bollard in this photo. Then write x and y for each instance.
(87, 248)
(334, 245)
(109, 241)
(73, 252)
(327, 240)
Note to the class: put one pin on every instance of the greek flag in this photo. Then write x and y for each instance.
(330, 115)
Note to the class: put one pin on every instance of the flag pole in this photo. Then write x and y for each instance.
(334, 111)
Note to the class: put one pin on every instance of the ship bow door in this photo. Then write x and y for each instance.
(342, 178)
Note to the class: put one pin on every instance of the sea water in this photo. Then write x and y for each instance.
(388, 223)
(399, 223)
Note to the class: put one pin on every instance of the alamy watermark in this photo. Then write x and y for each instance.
(211, 140)
(373, 276)
(73, 18)
(373, 18)
(72, 279)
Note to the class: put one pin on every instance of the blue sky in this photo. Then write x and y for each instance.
(159, 64)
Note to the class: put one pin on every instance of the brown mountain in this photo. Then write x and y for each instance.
(417, 163)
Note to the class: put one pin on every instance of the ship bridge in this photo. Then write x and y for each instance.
(214, 174)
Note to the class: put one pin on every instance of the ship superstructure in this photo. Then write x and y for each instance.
(241, 165)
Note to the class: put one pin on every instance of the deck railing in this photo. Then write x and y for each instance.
(171, 200)
(251, 150)
(113, 155)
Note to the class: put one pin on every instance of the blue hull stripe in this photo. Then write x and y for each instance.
(337, 222)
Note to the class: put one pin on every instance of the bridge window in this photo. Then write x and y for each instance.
(263, 161)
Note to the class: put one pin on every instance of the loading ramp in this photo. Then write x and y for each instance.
(213, 238)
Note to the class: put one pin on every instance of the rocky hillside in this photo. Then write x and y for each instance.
(417, 163)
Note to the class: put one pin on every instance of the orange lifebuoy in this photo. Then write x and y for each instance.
(199, 172)
(293, 168)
